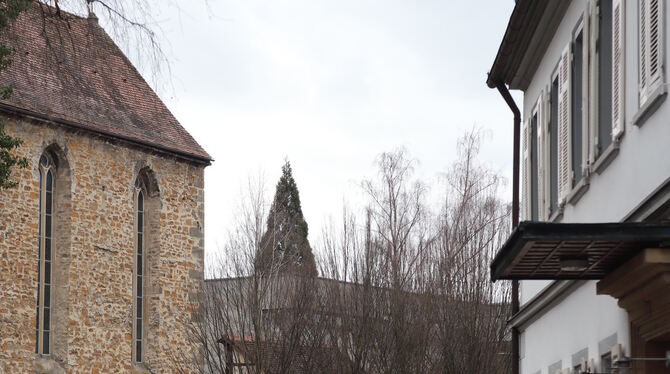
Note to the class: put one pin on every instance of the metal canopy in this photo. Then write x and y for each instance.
(542, 250)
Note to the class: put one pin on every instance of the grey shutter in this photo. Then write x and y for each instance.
(642, 52)
(564, 125)
(651, 21)
(654, 47)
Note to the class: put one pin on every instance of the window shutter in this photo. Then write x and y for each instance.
(654, 39)
(526, 208)
(564, 124)
(618, 58)
(642, 53)
(541, 136)
(650, 46)
(592, 61)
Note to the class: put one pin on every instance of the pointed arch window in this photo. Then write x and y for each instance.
(138, 276)
(45, 254)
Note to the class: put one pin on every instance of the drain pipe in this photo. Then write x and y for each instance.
(504, 92)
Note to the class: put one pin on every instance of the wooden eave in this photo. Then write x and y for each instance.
(535, 249)
(529, 31)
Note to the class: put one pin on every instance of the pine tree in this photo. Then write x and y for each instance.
(284, 245)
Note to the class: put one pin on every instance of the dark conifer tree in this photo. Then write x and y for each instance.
(284, 245)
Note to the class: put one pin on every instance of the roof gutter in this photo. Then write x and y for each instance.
(10, 109)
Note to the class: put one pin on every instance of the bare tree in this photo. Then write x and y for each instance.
(472, 225)
(424, 301)
(259, 318)
(404, 288)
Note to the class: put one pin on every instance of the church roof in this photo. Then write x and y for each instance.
(67, 70)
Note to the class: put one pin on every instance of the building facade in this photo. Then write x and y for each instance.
(595, 122)
(101, 242)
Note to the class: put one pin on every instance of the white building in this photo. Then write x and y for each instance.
(594, 152)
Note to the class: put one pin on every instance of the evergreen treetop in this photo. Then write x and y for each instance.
(284, 245)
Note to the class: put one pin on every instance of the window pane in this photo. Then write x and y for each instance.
(47, 319)
(39, 215)
(47, 249)
(139, 243)
(47, 272)
(138, 351)
(139, 265)
(49, 181)
(44, 161)
(45, 343)
(139, 308)
(139, 329)
(37, 340)
(139, 286)
(48, 226)
(140, 201)
(48, 203)
(140, 222)
(47, 296)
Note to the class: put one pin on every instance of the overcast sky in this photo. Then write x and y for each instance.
(330, 84)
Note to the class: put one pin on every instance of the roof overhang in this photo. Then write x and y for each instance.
(26, 113)
(530, 29)
(553, 251)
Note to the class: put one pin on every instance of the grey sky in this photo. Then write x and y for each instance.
(330, 85)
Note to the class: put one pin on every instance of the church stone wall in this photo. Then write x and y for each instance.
(94, 254)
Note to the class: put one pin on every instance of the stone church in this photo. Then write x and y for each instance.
(101, 242)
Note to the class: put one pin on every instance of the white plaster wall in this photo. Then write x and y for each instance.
(643, 162)
(582, 319)
(579, 321)
(528, 289)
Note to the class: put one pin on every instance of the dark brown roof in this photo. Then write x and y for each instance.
(66, 69)
(543, 250)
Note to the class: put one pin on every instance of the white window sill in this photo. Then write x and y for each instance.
(578, 190)
(606, 157)
(557, 215)
(653, 102)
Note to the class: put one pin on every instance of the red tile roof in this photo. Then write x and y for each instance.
(66, 69)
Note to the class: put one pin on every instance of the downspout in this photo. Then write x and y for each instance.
(504, 92)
